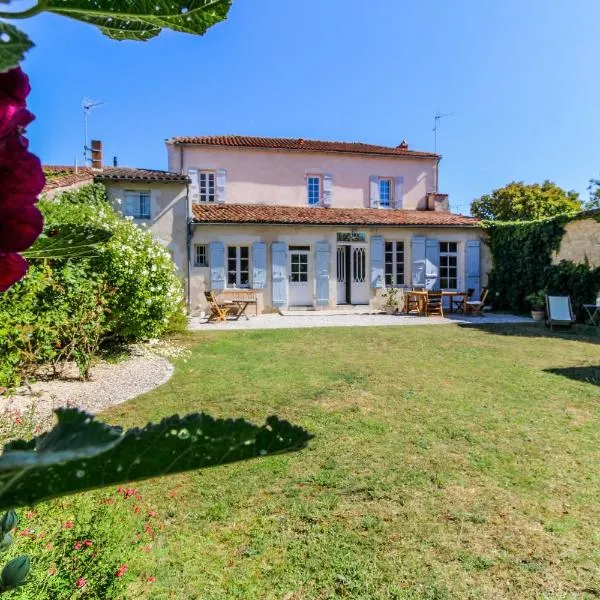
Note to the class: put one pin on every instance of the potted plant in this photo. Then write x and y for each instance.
(391, 300)
(537, 300)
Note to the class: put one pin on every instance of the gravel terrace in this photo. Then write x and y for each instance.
(110, 384)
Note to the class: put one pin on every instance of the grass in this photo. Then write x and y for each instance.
(448, 462)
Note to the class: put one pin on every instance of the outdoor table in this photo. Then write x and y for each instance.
(241, 305)
(593, 311)
(452, 294)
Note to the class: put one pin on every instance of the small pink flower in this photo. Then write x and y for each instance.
(87, 543)
(152, 513)
(121, 571)
(77, 546)
(136, 509)
(81, 582)
(129, 492)
(68, 525)
(151, 579)
(29, 514)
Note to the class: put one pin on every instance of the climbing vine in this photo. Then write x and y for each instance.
(522, 265)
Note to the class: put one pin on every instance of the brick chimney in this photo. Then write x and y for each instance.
(403, 145)
(96, 154)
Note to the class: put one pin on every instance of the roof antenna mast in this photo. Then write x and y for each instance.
(87, 105)
(436, 125)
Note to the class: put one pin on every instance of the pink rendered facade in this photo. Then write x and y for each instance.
(279, 177)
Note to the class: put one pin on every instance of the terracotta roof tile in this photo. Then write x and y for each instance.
(297, 215)
(58, 176)
(237, 141)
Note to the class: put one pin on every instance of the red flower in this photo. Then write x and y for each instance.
(152, 513)
(121, 571)
(68, 525)
(151, 579)
(21, 179)
(77, 546)
(136, 509)
(87, 543)
(81, 582)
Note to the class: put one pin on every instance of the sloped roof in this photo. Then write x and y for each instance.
(300, 215)
(59, 176)
(299, 144)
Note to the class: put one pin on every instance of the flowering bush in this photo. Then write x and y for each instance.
(90, 547)
(64, 309)
(21, 179)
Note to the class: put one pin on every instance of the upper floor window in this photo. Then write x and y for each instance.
(313, 184)
(238, 266)
(207, 186)
(394, 263)
(449, 265)
(385, 192)
(137, 204)
(201, 255)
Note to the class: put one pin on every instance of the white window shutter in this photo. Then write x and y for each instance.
(327, 189)
(374, 191)
(194, 188)
(398, 192)
(221, 185)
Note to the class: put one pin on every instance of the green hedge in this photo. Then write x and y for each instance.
(522, 264)
(65, 309)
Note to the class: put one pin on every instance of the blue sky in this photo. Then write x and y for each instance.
(520, 77)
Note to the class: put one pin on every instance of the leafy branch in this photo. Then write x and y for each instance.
(118, 19)
(80, 453)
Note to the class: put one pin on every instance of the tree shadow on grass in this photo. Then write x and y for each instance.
(577, 333)
(590, 374)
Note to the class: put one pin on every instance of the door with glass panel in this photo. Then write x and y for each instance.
(342, 275)
(300, 285)
(359, 288)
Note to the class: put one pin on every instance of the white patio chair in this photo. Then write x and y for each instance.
(559, 311)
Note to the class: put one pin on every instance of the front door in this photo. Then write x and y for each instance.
(300, 288)
(359, 289)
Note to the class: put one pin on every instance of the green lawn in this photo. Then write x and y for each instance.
(448, 462)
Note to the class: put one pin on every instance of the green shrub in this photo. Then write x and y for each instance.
(522, 265)
(65, 309)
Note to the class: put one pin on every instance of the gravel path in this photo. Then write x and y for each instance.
(110, 384)
(325, 319)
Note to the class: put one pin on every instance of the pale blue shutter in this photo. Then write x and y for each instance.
(377, 260)
(398, 192)
(432, 265)
(130, 208)
(217, 265)
(418, 261)
(194, 186)
(374, 191)
(259, 265)
(473, 266)
(221, 185)
(327, 189)
(279, 273)
(322, 249)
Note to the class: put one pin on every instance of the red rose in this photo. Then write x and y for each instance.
(12, 268)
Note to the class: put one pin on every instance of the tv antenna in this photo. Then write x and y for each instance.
(87, 105)
(436, 125)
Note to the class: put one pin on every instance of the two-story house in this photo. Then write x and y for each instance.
(304, 223)
(319, 224)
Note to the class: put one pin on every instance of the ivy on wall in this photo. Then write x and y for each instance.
(522, 264)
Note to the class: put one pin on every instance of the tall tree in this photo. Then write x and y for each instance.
(519, 201)
(594, 189)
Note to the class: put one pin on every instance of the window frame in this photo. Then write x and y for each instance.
(207, 173)
(447, 254)
(138, 204)
(238, 271)
(198, 263)
(395, 251)
(390, 182)
(319, 179)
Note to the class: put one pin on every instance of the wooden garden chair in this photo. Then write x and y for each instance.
(475, 307)
(434, 305)
(218, 312)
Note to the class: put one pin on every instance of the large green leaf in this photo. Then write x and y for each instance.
(68, 241)
(13, 45)
(81, 454)
(142, 19)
